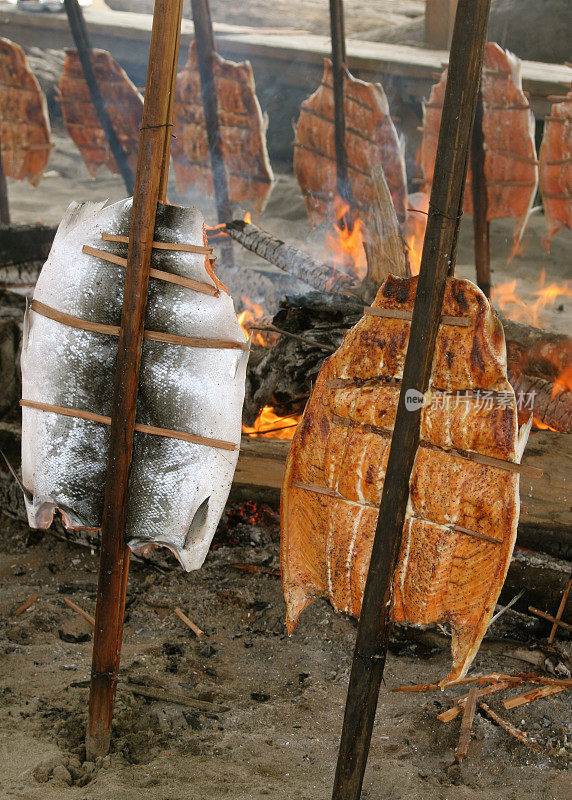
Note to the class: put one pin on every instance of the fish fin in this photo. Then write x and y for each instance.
(197, 523)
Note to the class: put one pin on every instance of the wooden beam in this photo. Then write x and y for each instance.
(437, 263)
(439, 21)
(81, 39)
(481, 227)
(206, 50)
(114, 559)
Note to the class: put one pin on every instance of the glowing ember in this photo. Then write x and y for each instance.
(248, 217)
(271, 426)
(505, 296)
(563, 382)
(417, 208)
(345, 244)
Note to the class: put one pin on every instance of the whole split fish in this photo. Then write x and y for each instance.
(177, 489)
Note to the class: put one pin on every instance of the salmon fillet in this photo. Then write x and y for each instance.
(123, 102)
(508, 127)
(461, 517)
(556, 168)
(24, 122)
(242, 128)
(371, 138)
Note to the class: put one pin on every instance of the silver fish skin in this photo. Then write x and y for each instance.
(177, 489)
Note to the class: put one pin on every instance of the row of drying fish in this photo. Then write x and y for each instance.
(511, 165)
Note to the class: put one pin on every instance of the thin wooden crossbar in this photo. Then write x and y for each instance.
(185, 248)
(397, 313)
(91, 417)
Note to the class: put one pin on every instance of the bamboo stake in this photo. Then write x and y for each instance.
(206, 50)
(437, 262)
(481, 226)
(339, 80)
(81, 40)
(114, 559)
(561, 607)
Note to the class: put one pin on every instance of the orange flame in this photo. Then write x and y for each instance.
(418, 206)
(271, 426)
(345, 243)
(248, 217)
(563, 382)
(249, 317)
(505, 296)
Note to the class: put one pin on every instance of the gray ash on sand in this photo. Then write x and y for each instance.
(244, 710)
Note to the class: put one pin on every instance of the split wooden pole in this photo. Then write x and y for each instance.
(437, 263)
(114, 558)
(206, 52)
(4, 207)
(339, 78)
(81, 39)
(481, 226)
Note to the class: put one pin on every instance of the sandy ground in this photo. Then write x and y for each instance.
(270, 706)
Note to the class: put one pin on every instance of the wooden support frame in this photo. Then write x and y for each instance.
(81, 39)
(206, 49)
(339, 78)
(4, 207)
(152, 163)
(481, 226)
(437, 263)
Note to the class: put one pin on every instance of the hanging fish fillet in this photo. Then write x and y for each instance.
(123, 102)
(24, 122)
(371, 139)
(556, 168)
(462, 515)
(242, 129)
(177, 488)
(508, 126)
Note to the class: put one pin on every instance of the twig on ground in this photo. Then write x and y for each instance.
(189, 623)
(26, 605)
(460, 702)
(79, 610)
(510, 729)
(557, 622)
(532, 694)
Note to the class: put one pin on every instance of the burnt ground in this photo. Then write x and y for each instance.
(269, 710)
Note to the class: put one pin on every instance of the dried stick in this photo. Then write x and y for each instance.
(437, 263)
(556, 622)
(532, 694)
(561, 607)
(189, 623)
(453, 712)
(114, 559)
(290, 260)
(302, 339)
(26, 605)
(510, 729)
(467, 724)
(79, 610)
(523, 677)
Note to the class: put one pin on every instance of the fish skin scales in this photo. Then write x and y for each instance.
(442, 575)
(198, 390)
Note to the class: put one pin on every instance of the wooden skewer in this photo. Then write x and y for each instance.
(451, 713)
(561, 607)
(26, 605)
(189, 623)
(558, 622)
(437, 262)
(189, 283)
(510, 728)
(532, 694)
(185, 248)
(525, 677)
(152, 161)
(467, 724)
(79, 610)
(397, 313)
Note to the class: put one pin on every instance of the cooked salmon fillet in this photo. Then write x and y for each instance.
(242, 129)
(24, 122)
(461, 517)
(370, 139)
(123, 102)
(511, 169)
(556, 168)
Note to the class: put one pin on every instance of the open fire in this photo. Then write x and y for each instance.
(345, 240)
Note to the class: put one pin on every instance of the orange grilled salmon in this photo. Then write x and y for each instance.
(24, 122)
(462, 515)
(556, 168)
(511, 169)
(242, 128)
(370, 139)
(123, 102)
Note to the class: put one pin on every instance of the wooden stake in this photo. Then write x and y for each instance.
(81, 39)
(561, 607)
(481, 226)
(467, 724)
(114, 559)
(206, 49)
(437, 263)
(339, 78)
(4, 207)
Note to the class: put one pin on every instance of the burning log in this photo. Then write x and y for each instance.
(295, 262)
(552, 408)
